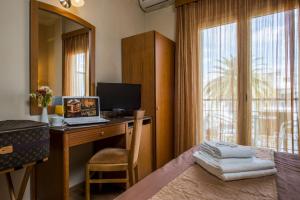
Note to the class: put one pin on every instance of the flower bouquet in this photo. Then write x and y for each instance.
(43, 96)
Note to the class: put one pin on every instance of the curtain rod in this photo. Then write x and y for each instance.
(183, 2)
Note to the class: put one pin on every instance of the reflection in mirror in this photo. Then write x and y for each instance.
(63, 61)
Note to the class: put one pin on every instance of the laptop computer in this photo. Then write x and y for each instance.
(82, 110)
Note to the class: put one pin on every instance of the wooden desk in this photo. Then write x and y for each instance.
(52, 177)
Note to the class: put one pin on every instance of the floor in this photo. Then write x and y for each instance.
(108, 192)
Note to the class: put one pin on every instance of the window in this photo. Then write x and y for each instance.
(274, 70)
(271, 80)
(219, 77)
(76, 64)
(79, 75)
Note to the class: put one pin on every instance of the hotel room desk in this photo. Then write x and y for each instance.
(52, 177)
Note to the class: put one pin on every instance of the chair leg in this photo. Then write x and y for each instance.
(136, 174)
(100, 176)
(87, 184)
(131, 178)
(127, 183)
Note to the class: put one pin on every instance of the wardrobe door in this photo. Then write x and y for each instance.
(164, 74)
(138, 67)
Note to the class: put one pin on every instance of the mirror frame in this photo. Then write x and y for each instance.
(35, 6)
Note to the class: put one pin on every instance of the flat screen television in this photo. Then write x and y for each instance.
(119, 96)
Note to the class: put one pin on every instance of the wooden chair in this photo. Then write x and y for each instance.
(113, 159)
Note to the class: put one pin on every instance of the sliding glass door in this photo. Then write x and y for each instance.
(269, 80)
(218, 47)
(274, 81)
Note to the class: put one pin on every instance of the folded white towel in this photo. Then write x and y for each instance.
(225, 161)
(227, 150)
(236, 166)
(210, 152)
(246, 175)
(236, 175)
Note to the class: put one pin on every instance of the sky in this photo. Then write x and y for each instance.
(267, 43)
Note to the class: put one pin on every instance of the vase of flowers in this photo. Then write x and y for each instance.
(43, 96)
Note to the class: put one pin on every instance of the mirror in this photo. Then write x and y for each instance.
(62, 52)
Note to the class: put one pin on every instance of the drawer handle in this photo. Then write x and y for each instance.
(102, 133)
(6, 150)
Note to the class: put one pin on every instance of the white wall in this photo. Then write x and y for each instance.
(163, 21)
(114, 19)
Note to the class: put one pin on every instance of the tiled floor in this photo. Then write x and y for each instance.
(108, 192)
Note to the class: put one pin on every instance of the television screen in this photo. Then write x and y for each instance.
(119, 96)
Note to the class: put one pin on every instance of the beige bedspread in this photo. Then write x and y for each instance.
(197, 184)
(182, 179)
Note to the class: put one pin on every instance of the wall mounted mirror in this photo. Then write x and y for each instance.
(62, 53)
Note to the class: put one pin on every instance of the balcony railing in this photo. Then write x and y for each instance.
(273, 122)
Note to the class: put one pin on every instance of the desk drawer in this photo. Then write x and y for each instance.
(112, 130)
(93, 134)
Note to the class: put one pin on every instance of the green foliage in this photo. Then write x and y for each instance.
(225, 85)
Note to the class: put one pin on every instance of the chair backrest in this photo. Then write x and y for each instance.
(136, 137)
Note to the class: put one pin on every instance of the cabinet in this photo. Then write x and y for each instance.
(148, 59)
(145, 160)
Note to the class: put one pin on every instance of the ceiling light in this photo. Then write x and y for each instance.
(65, 3)
(77, 3)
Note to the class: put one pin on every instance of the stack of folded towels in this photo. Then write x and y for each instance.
(232, 162)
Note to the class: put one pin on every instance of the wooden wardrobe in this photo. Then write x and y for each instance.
(149, 59)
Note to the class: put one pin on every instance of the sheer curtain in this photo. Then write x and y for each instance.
(76, 64)
(274, 81)
(248, 71)
(218, 63)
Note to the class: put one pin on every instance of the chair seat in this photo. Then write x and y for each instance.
(110, 156)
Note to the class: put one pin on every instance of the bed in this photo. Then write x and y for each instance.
(182, 179)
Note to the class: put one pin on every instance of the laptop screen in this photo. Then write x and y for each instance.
(81, 107)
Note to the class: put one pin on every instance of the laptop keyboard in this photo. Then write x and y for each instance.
(95, 120)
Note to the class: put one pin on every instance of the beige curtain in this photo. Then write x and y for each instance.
(187, 88)
(248, 60)
(76, 64)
